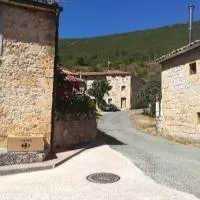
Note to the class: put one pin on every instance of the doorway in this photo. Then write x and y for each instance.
(123, 102)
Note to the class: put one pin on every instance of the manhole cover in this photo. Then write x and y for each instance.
(103, 178)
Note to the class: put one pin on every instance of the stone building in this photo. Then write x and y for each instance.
(181, 92)
(28, 52)
(120, 81)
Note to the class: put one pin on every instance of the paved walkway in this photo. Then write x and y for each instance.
(170, 164)
(68, 181)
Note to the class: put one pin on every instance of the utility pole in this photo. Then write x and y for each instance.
(191, 17)
(109, 65)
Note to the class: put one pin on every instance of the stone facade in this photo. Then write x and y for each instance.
(74, 129)
(181, 95)
(121, 92)
(26, 71)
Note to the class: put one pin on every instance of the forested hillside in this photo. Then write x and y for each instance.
(134, 52)
(137, 49)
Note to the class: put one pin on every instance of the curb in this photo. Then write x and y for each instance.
(50, 164)
(17, 170)
(68, 158)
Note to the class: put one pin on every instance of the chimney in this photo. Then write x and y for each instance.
(191, 17)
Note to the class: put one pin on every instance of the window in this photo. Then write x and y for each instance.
(1, 32)
(109, 101)
(193, 68)
(123, 87)
(198, 117)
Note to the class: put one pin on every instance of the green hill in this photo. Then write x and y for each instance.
(134, 51)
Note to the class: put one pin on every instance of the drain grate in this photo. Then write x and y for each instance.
(103, 178)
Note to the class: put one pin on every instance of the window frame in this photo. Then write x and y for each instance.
(110, 101)
(198, 117)
(123, 88)
(193, 68)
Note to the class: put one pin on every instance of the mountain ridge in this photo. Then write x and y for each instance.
(132, 51)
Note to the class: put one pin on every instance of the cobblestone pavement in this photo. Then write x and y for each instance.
(170, 164)
(68, 182)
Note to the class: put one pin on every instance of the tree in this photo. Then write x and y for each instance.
(149, 94)
(99, 89)
(81, 61)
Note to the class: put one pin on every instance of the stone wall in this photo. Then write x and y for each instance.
(181, 97)
(26, 72)
(74, 129)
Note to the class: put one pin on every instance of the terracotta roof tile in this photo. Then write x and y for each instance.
(67, 72)
(73, 79)
(105, 73)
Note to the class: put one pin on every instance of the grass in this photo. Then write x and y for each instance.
(145, 122)
(148, 125)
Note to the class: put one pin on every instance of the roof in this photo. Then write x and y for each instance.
(43, 4)
(67, 72)
(74, 79)
(71, 76)
(105, 73)
(179, 51)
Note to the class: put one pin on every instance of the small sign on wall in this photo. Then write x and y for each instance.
(25, 144)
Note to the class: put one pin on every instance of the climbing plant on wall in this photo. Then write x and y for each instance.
(70, 94)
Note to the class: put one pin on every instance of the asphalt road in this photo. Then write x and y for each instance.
(170, 164)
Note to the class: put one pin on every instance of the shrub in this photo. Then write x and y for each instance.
(70, 95)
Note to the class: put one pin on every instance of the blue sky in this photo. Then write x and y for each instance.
(90, 18)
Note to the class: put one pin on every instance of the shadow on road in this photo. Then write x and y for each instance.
(107, 139)
(101, 139)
